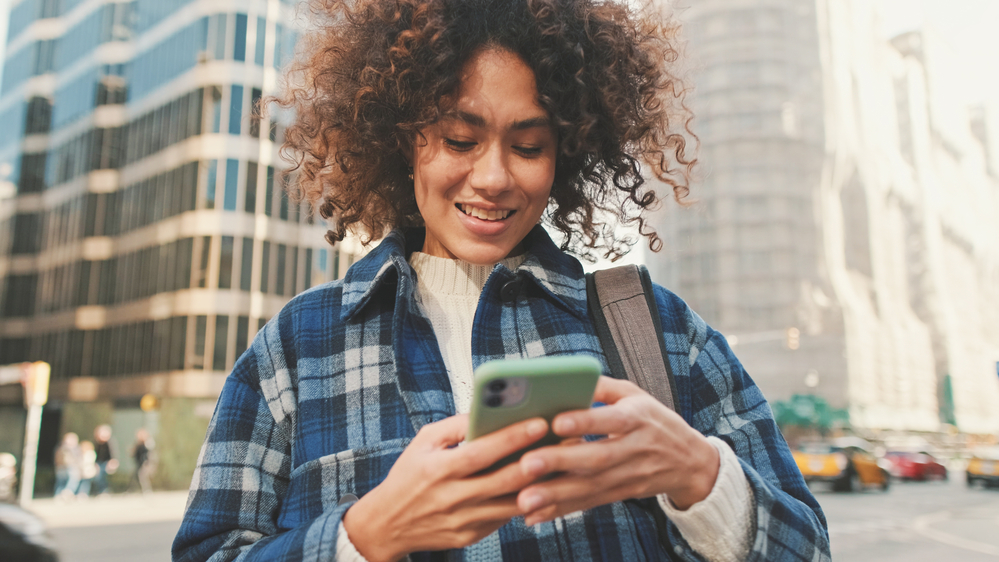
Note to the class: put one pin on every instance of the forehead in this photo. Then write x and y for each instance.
(497, 80)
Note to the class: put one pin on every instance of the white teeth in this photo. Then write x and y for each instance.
(483, 214)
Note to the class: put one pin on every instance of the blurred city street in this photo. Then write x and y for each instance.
(118, 528)
(914, 522)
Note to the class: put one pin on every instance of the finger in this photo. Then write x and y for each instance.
(618, 418)
(584, 458)
(566, 494)
(505, 481)
(442, 434)
(480, 454)
(589, 500)
(610, 390)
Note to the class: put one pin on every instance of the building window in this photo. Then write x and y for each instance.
(200, 330)
(239, 42)
(214, 113)
(216, 39)
(32, 178)
(225, 263)
(246, 265)
(44, 57)
(231, 184)
(269, 192)
(242, 334)
(39, 118)
(221, 341)
(250, 204)
(235, 109)
(265, 264)
(27, 233)
(212, 177)
(205, 252)
(19, 299)
(308, 268)
(282, 251)
(255, 111)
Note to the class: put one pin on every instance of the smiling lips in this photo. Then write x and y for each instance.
(482, 214)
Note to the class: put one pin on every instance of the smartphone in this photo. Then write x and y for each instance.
(511, 390)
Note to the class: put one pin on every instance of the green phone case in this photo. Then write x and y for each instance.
(552, 385)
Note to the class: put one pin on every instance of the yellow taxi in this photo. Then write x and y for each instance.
(984, 467)
(846, 463)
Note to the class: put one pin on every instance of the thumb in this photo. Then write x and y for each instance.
(610, 390)
(445, 433)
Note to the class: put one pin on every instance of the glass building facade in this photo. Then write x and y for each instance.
(146, 237)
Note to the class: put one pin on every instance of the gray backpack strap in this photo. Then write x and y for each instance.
(624, 311)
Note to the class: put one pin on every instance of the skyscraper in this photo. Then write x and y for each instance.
(148, 237)
(845, 197)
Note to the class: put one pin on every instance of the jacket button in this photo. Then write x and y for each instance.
(347, 498)
(510, 290)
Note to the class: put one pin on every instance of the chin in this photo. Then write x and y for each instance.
(484, 256)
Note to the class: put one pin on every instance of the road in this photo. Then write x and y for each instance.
(912, 522)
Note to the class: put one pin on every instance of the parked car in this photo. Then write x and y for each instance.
(846, 463)
(984, 467)
(24, 537)
(907, 465)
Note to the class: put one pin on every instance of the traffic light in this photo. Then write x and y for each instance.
(793, 338)
(36, 383)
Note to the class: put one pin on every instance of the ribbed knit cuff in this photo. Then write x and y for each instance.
(345, 550)
(719, 526)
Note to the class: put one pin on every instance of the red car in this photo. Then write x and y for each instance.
(915, 466)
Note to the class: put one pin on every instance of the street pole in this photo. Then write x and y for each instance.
(30, 456)
(36, 394)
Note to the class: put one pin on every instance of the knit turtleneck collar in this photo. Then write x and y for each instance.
(455, 277)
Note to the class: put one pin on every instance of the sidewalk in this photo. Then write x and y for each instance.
(116, 509)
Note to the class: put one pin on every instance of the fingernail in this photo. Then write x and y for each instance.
(533, 466)
(537, 428)
(566, 425)
(532, 502)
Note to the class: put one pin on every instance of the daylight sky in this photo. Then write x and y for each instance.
(968, 26)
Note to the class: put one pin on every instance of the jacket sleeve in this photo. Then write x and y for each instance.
(243, 473)
(718, 398)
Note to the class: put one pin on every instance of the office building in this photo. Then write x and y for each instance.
(845, 235)
(145, 236)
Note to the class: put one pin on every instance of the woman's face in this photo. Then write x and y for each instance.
(483, 176)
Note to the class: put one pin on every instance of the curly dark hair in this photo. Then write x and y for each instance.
(371, 74)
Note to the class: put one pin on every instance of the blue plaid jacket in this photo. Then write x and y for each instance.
(335, 386)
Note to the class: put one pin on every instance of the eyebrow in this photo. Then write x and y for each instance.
(480, 122)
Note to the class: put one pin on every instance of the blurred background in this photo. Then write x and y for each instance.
(844, 237)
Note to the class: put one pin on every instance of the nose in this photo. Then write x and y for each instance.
(490, 173)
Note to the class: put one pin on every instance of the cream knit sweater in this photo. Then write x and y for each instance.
(719, 527)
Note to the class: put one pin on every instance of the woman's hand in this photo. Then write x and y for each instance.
(649, 450)
(433, 498)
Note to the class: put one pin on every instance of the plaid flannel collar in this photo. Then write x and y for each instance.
(555, 272)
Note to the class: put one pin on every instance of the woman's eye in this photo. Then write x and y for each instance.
(529, 150)
(460, 146)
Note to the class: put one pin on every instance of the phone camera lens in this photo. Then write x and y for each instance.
(494, 401)
(497, 386)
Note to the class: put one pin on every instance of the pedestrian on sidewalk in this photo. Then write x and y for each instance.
(107, 458)
(68, 461)
(88, 469)
(142, 454)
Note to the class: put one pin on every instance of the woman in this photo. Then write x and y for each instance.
(458, 124)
